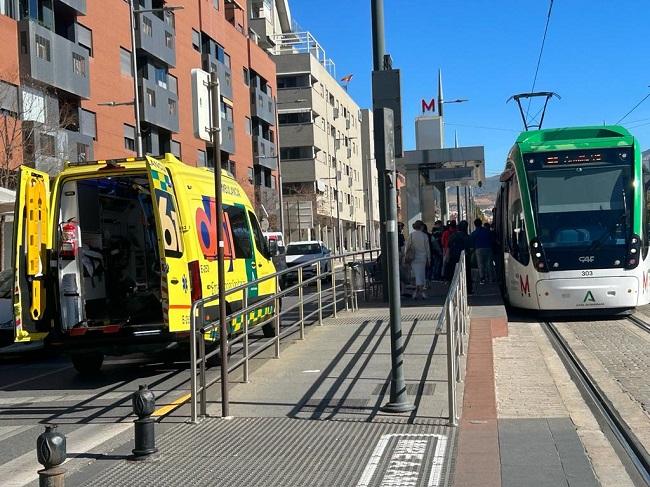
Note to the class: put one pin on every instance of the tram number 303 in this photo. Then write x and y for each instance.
(587, 273)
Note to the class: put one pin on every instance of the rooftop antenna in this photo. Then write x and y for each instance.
(539, 94)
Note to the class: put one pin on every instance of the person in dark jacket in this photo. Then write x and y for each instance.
(482, 244)
(459, 241)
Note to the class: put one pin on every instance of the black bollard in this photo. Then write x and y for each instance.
(51, 452)
(144, 404)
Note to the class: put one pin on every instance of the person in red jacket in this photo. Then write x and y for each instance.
(446, 235)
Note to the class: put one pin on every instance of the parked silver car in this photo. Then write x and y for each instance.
(304, 251)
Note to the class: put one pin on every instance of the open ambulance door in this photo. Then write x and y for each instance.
(31, 231)
(174, 281)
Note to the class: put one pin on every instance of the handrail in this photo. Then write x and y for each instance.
(454, 316)
(198, 355)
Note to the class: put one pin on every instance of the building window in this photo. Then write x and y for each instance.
(247, 75)
(196, 40)
(171, 105)
(251, 175)
(48, 144)
(216, 4)
(85, 38)
(294, 118)
(175, 148)
(160, 75)
(129, 137)
(87, 123)
(294, 81)
(173, 83)
(169, 40)
(42, 47)
(79, 64)
(151, 97)
(83, 151)
(147, 26)
(200, 158)
(289, 153)
(126, 67)
(248, 125)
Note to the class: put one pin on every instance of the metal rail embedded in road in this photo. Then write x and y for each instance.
(639, 323)
(600, 404)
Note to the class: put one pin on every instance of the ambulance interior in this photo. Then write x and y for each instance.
(108, 258)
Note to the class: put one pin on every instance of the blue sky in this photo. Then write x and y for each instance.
(595, 58)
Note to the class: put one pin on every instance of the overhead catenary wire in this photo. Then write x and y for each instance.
(541, 51)
(633, 108)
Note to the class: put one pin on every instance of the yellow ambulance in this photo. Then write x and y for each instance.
(109, 255)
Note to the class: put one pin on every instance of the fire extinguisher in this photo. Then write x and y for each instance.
(69, 239)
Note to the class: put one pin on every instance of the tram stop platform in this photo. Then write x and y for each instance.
(314, 416)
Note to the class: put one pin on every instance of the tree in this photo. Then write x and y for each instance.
(32, 120)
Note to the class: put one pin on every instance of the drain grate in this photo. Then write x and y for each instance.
(411, 389)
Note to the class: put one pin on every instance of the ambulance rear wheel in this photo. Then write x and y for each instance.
(88, 363)
(269, 328)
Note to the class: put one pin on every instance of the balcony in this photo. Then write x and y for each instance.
(54, 60)
(262, 106)
(269, 198)
(227, 136)
(159, 106)
(65, 145)
(211, 63)
(156, 37)
(78, 5)
(264, 152)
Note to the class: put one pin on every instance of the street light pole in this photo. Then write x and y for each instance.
(385, 157)
(277, 153)
(136, 94)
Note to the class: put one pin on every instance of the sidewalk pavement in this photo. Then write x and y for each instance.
(313, 417)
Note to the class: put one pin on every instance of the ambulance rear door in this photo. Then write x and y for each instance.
(175, 285)
(30, 246)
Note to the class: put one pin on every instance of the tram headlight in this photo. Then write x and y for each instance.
(539, 259)
(632, 252)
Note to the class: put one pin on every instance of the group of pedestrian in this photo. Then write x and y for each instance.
(432, 256)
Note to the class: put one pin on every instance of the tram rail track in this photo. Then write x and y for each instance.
(630, 446)
(638, 322)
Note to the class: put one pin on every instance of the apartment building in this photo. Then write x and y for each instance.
(321, 146)
(66, 82)
(370, 179)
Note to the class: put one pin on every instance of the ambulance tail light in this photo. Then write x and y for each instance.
(537, 253)
(69, 240)
(196, 288)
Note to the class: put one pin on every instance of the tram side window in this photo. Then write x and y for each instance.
(240, 233)
(517, 239)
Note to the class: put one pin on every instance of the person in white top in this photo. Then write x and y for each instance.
(418, 253)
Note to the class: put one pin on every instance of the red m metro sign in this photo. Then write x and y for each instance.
(429, 106)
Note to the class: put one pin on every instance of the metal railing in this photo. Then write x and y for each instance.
(454, 318)
(343, 289)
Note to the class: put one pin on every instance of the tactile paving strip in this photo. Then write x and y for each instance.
(289, 452)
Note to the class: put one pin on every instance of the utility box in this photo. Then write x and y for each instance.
(386, 93)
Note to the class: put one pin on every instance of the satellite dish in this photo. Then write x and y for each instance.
(264, 224)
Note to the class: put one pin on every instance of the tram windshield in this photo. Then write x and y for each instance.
(582, 206)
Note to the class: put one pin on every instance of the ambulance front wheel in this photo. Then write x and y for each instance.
(88, 363)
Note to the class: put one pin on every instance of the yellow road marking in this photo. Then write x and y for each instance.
(164, 410)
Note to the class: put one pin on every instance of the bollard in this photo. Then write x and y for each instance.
(144, 403)
(51, 452)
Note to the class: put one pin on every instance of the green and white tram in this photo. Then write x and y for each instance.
(572, 223)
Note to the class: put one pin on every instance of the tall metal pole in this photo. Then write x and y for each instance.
(136, 95)
(378, 48)
(398, 402)
(277, 154)
(215, 95)
(467, 213)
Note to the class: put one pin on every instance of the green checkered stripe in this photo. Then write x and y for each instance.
(236, 325)
(161, 181)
